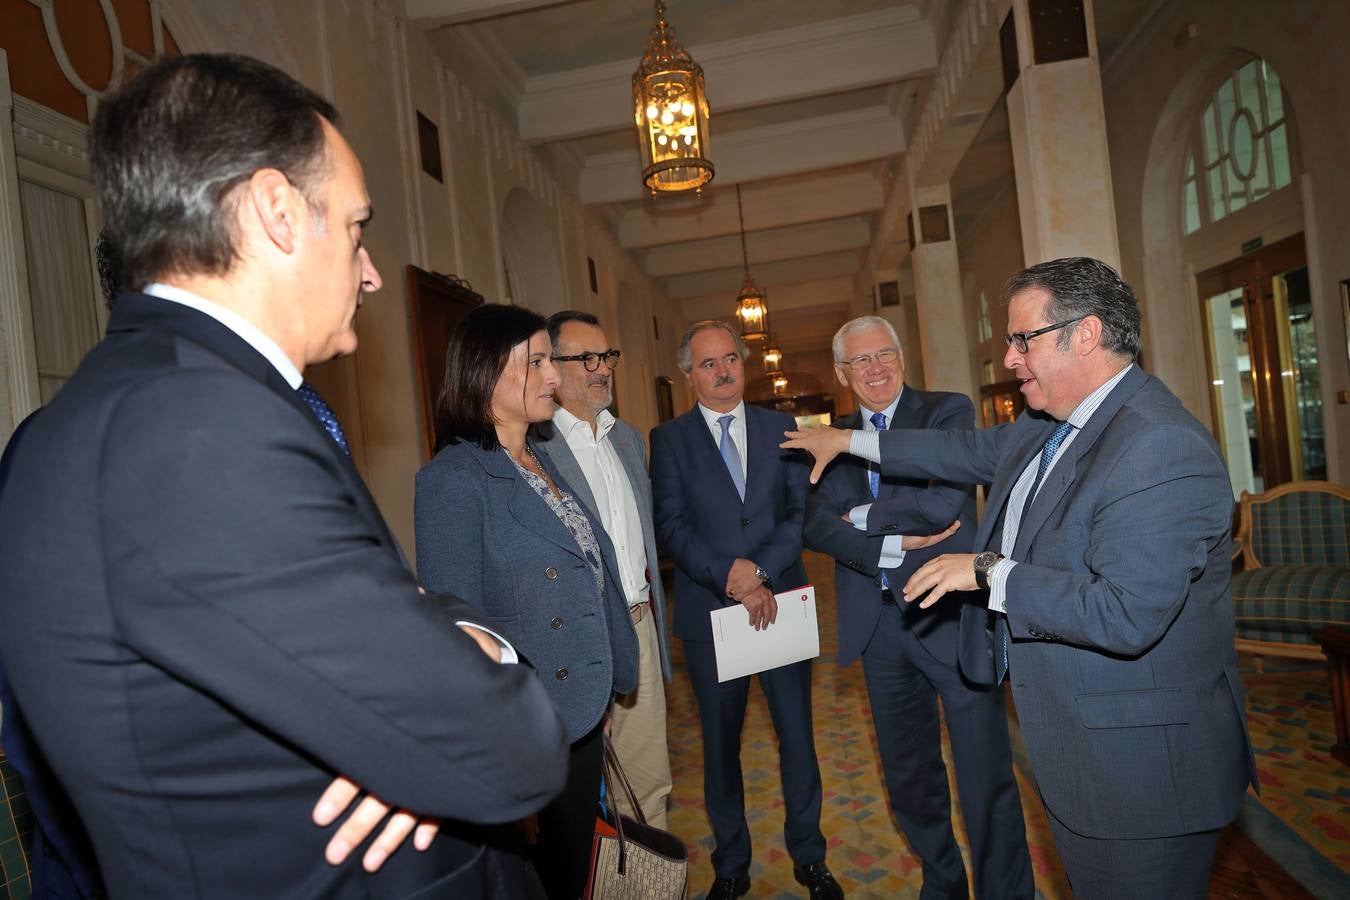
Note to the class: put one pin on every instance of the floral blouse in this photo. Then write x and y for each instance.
(573, 519)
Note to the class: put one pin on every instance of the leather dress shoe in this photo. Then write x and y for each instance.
(818, 879)
(729, 888)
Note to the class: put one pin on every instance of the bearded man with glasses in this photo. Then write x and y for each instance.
(604, 459)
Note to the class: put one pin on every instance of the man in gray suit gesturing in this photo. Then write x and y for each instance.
(604, 461)
(1106, 558)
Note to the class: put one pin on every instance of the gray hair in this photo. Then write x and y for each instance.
(1082, 286)
(683, 357)
(862, 323)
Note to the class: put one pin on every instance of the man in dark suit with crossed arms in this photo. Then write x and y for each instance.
(1107, 560)
(729, 507)
(909, 656)
(206, 618)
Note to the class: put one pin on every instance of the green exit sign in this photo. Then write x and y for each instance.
(1254, 244)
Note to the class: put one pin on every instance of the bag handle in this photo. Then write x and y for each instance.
(614, 777)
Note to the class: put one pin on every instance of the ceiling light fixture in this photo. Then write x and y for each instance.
(670, 107)
(780, 383)
(751, 310)
(773, 356)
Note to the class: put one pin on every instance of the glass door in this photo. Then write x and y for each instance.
(1263, 369)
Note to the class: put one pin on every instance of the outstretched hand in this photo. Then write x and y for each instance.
(822, 443)
(912, 542)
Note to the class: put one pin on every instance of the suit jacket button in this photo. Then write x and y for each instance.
(889, 526)
(745, 522)
(551, 573)
(555, 623)
(561, 674)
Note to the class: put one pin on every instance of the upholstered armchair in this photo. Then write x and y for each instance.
(1294, 546)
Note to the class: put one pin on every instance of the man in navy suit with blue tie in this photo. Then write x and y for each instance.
(871, 525)
(729, 507)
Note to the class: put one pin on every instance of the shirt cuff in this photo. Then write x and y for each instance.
(892, 553)
(998, 585)
(508, 652)
(867, 445)
(858, 516)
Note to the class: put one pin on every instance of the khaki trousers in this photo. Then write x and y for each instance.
(638, 728)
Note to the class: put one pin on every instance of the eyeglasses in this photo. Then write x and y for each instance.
(592, 360)
(863, 361)
(1019, 339)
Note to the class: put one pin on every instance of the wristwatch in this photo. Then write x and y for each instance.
(983, 564)
(763, 576)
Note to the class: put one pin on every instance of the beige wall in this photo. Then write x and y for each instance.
(990, 252)
(377, 70)
(1154, 91)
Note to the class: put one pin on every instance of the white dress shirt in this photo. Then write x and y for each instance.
(737, 429)
(892, 554)
(252, 335)
(613, 492)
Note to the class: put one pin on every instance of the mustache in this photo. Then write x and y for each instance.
(724, 380)
(602, 381)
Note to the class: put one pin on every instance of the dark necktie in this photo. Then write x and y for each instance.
(1048, 451)
(874, 482)
(324, 414)
(1047, 457)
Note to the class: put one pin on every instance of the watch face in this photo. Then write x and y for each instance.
(986, 559)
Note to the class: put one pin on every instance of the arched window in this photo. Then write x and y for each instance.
(1239, 151)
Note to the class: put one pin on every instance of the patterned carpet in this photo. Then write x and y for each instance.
(1302, 819)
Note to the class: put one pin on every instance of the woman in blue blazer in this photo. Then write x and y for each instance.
(498, 526)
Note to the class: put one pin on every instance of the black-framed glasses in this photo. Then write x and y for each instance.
(863, 361)
(592, 360)
(1019, 339)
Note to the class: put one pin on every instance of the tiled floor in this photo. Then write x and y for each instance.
(1304, 788)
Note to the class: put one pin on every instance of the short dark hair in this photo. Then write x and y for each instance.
(1082, 286)
(109, 268)
(168, 151)
(475, 358)
(562, 317)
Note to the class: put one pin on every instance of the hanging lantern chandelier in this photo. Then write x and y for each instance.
(773, 356)
(670, 108)
(780, 383)
(751, 310)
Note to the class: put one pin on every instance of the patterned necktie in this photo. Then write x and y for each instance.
(324, 414)
(1047, 457)
(874, 482)
(730, 456)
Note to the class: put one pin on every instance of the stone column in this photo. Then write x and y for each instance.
(1058, 132)
(937, 293)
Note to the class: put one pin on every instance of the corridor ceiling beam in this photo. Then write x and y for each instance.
(797, 200)
(828, 57)
(435, 13)
(787, 148)
(771, 245)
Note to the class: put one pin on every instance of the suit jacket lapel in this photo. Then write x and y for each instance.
(562, 457)
(634, 466)
(1001, 489)
(1059, 479)
(705, 446)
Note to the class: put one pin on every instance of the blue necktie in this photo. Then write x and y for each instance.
(324, 414)
(874, 481)
(729, 454)
(1047, 457)
(1048, 451)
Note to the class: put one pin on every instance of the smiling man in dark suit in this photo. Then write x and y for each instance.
(729, 509)
(870, 525)
(1106, 557)
(206, 618)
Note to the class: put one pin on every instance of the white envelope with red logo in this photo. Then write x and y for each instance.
(793, 637)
